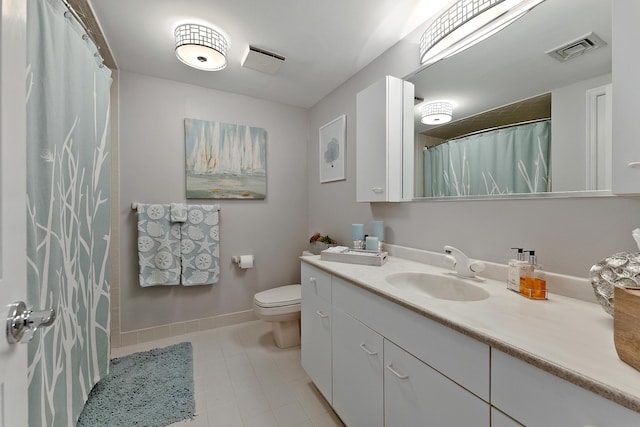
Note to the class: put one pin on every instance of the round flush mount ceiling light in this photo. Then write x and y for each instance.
(201, 47)
(436, 113)
(466, 23)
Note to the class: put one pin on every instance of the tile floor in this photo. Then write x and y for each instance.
(241, 379)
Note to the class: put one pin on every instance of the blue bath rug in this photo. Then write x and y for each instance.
(152, 389)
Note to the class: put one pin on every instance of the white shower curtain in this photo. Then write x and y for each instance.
(68, 185)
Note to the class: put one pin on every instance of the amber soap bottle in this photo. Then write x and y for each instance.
(533, 283)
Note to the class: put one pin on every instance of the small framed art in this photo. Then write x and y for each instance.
(332, 150)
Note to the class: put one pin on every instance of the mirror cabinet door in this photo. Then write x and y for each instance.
(626, 98)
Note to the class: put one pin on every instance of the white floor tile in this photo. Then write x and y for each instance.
(241, 379)
(291, 415)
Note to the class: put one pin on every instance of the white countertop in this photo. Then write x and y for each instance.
(567, 337)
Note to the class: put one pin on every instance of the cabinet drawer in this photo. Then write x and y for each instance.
(417, 395)
(537, 398)
(318, 280)
(462, 359)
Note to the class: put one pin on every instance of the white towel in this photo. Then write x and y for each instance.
(158, 246)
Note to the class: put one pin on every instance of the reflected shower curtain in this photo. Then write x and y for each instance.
(68, 218)
(503, 161)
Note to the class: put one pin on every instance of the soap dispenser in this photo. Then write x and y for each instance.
(533, 283)
(515, 270)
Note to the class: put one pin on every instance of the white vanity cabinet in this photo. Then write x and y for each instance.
(384, 136)
(357, 372)
(373, 342)
(626, 97)
(315, 322)
(534, 397)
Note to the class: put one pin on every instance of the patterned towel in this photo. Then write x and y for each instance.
(200, 246)
(158, 246)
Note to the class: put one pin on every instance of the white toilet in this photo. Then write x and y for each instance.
(281, 306)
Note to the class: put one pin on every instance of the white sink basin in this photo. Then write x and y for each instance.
(437, 286)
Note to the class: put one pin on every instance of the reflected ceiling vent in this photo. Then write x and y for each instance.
(262, 60)
(576, 47)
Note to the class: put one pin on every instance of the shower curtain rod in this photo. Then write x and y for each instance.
(526, 122)
(84, 26)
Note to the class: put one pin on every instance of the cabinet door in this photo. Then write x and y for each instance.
(371, 143)
(626, 102)
(537, 398)
(316, 339)
(384, 139)
(417, 395)
(357, 372)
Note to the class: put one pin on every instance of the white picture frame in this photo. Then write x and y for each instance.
(332, 150)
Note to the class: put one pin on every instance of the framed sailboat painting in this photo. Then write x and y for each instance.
(225, 161)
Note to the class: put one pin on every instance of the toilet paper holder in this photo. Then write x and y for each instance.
(243, 261)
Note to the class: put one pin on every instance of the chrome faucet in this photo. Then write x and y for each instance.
(464, 266)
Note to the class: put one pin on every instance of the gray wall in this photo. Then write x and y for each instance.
(570, 235)
(151, 142)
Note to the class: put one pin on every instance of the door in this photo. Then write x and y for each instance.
(13, 358)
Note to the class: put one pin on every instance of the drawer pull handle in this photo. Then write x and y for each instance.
(396, 373)
(312, 280)
(378, 190)
(366, 350)
(632, 165)
(321, 314)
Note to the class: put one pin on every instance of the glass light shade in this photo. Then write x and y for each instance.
(466, 23)
(201, 47)
(437, 113)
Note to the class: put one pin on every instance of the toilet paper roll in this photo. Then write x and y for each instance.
(246, 261)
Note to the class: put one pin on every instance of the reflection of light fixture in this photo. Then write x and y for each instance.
(201, 47)
(466, 23)
(436, 113)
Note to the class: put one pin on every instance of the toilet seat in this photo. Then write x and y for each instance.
(281, 296)
(277, 301)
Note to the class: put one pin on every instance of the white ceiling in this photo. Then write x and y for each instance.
(325, 42)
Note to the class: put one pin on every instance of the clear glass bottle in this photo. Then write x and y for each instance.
(515, 266)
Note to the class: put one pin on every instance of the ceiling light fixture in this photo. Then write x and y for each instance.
(466, 23)
(201, 47)
(436, 113)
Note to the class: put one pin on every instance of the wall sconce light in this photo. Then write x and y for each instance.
(436, 113)
(201, 47)
(466, 23)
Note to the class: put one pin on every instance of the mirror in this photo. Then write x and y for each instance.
(509, 78)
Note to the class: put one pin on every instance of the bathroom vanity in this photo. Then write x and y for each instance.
(384, 354)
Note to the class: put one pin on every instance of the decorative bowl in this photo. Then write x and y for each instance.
(622, 270)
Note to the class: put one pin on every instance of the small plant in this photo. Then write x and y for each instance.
(317, 237)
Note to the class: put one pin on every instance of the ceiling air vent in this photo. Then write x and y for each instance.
(262, 60)
(576, 47)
